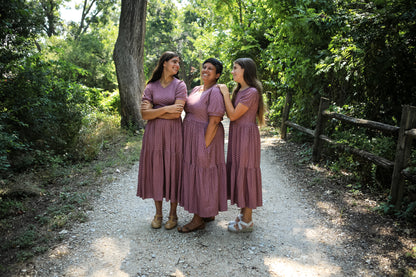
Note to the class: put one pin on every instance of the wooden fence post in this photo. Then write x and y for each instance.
(285, 115)
(316, 150)
(403, 151)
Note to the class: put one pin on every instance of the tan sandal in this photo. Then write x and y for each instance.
(157, 222)
(171, 223)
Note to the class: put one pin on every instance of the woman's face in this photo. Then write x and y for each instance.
(209, 73)
(238, 73)
(171, 67)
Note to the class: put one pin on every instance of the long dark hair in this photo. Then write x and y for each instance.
(157, 72)
(250, 77)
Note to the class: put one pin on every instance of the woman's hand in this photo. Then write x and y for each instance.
(224, 89)
(212, 128)
(175, 108)
(146, 105)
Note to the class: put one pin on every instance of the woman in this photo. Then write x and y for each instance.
(160, 165)
(243, 156)
(204, 190)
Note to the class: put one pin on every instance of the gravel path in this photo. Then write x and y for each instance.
(290, 238)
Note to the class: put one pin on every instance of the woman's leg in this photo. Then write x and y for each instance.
(243, 223)
(173, 207)
(158, 206)
(247, 214)
(197, 223)
(157, 220)
(173, 217)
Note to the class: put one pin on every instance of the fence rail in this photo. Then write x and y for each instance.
(405, 133)
(364, 122)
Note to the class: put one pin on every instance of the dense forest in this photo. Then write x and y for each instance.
(58, 81)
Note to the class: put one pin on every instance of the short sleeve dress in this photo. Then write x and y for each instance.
(160, 165)
(203, 190)
(243, 155)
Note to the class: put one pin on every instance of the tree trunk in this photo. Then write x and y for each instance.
(49, 8)
(128, 58)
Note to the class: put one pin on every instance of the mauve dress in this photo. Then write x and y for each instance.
(160, 166)
(203, 190)
(243, 155)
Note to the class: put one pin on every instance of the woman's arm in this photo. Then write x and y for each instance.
(211, 129)
(148, 113)
(232, 113)
(175, 114)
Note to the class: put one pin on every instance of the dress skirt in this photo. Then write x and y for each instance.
(162, 149)
(203, 190)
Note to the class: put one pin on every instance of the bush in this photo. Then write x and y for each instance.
(111, 102)
(275, 111)
(41, 114)
(97, 129)
(8, 140)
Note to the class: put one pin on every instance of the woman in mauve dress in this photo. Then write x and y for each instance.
(160, 167)
(243, 155)
(203, 191)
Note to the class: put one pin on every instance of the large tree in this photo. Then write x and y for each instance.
(128, 58)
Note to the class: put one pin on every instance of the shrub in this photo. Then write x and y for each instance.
(41, 113)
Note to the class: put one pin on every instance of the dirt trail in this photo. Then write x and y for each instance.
(290, 238)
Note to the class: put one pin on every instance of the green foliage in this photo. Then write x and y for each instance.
(8, 141)
(49, 10)
(371, 58)
(19, 25)
(111, 102)
(275, 111)
(412, 253)
(169, 30)
(362, 171)
(161, 33)
(97, 128)
(377, 144)
(41, 112)
(354, 53)
(305, 154)
(410, 211)
(10, 207)
(27, 239)
(94, 14)
(90, 57)
(386, 208)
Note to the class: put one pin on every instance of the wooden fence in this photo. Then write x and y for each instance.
(405, 134)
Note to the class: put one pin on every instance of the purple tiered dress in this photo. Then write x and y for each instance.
(160, 166)
(204, 185)
(243, 155)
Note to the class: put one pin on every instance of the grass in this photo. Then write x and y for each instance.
(35, 206)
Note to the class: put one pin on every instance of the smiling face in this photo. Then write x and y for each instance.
(209, 73)
(238, 73)
(171, 67)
